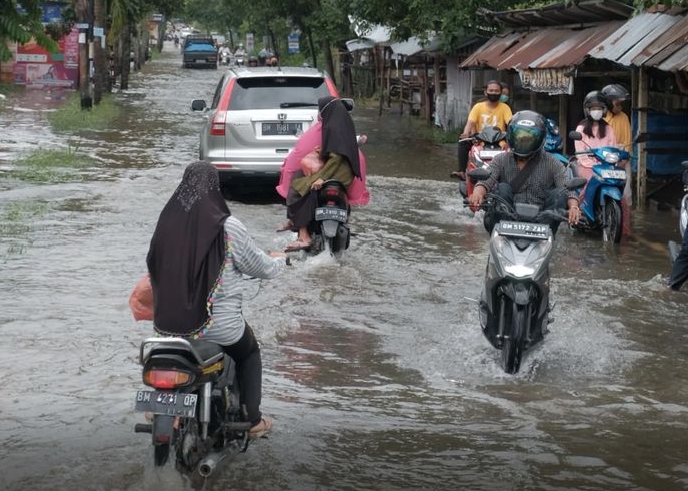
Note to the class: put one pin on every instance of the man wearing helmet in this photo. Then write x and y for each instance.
(526, 173)
(616, 117)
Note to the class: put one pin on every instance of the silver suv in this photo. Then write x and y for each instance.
(256, 116)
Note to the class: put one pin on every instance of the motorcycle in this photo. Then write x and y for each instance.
(239, 60)
(554, 144)
(195, 410)
(600, 199)
(514, 304)
(486, 145)
(224, 58)
(674, 247)
(330, 225)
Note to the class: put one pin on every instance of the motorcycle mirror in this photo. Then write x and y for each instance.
(348, 104)
(479, 174)
(198, 105)
(575, 135)
(575, 183)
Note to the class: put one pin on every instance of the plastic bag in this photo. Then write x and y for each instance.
(141, 299)
(311, 162)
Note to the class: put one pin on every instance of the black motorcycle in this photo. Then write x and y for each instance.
(514, 303)
(194, 409)
(330, 225)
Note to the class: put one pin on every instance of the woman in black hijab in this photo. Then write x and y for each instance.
(339, 151)
(197, 258)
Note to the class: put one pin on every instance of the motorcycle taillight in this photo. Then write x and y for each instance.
(166, 379)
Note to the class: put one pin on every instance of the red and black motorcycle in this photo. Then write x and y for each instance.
(486, 145)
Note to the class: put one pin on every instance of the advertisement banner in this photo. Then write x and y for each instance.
(37, 68)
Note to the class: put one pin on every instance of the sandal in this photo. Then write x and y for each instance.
(286, 226)
(298, 245)
(261, 429)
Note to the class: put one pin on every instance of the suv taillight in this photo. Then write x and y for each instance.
(331, 87)
(217, 125)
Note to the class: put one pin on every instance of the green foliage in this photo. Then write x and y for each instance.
(51, 166)
(21, 27)
(71, 118)
(16, 225)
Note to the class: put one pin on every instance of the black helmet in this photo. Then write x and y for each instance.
(615, 92)
(526, 133)
(595, 98)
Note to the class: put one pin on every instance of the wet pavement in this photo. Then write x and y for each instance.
(375, 367)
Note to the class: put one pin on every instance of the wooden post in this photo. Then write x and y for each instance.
(389, 82)
(563, 121)
(642, 105)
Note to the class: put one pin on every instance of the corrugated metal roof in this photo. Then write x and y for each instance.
(656, 40)
(559, 14)
(541, 48)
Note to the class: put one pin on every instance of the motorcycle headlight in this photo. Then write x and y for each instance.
(610, 157)
(523, 267)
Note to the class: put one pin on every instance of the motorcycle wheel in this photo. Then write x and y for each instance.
(512, 347)
(160, 454)
(611, 230)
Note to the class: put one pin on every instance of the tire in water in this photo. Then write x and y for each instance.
(512, 348)
(161, 454)
(611, 232)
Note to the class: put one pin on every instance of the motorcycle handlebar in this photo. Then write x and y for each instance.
(489, 204)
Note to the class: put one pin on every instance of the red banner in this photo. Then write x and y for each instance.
(36, 68)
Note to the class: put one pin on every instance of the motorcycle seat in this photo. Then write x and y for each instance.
(206, 350)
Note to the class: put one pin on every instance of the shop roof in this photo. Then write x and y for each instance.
(651, 39)
(547, 47)
(565, 13)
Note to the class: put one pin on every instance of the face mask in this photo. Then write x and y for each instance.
(493, 97)
(596, 114)
(503, 98)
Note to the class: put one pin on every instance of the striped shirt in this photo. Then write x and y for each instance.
(549, 174)
(242, 257)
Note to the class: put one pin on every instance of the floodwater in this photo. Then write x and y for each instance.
(375, 367)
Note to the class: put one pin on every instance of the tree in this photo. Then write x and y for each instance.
(22, 25)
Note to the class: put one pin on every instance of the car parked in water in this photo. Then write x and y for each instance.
(255, 118)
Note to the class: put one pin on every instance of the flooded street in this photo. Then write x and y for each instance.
(375, 367)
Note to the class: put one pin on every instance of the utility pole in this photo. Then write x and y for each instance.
(83, 26)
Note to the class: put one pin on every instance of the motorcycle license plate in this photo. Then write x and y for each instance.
(168, 403)
(489, 154)
(330, 213)
(613, 174)
(523, 229)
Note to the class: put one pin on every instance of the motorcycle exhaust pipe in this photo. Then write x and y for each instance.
(208, 463)
(207, 466)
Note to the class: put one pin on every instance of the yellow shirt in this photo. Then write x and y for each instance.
(483, 115)
(622, 129)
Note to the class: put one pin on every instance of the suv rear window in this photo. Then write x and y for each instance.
(277, 92)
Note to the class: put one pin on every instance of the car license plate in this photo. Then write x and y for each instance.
(273, 129)
(168, 403)
(523, 229)
(330, 213)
